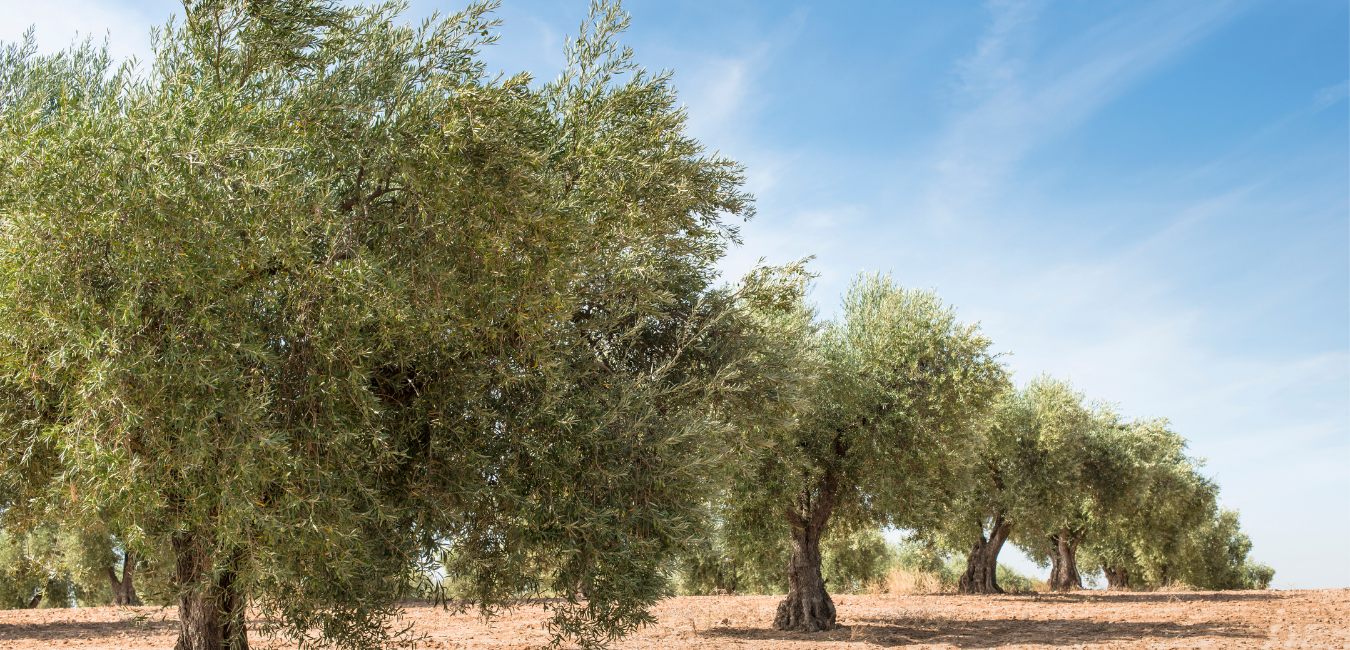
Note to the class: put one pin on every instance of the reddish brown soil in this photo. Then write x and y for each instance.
(1245, 619)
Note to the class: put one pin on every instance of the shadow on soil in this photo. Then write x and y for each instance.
(991, 633)
(84, 629)
(1146, 597)
(997, 633)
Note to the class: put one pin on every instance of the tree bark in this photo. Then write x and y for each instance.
(981, 576)
(1117, 579)
(210, 605)
(37, 598)
(124, 592)
(1064, 561)
(808, 606)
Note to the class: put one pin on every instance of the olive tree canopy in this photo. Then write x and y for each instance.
(1027, 476)
(313, 298)
(884, 438)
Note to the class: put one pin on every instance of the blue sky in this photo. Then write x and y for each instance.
(1149, 198)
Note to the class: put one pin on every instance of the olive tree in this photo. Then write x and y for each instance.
(1027, 462)
(1215, 556)
(1146, 533)
(1048, 467)
(883, 439)
(1101, 480)
(313, 299)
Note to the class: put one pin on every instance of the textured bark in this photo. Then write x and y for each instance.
(37, 598)
(210, 607)
(1117, 579)
(981, 576)
(808, 606)
(1064, 561)
(124, 591)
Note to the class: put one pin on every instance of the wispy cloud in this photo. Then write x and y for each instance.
(1019, 100)
(1330, 95)
(719, 90)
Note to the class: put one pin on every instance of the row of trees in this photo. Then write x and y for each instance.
(315, 307)
(1059, 476)
(1068, 482)
(910, 422)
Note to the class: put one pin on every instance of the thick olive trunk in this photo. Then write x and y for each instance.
(210, 606)
(1117, 579)
(808, 606)
(981, 576)
(1064, 562)
(124, 592)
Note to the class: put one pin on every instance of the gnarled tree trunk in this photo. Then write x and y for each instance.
(981, 576)
(1117, 579)
(124, 592)
(210, 605)
(1064, 561)
(808, 606)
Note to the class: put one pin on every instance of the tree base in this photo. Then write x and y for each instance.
(979, 580)
(981, 576)
(799, 613)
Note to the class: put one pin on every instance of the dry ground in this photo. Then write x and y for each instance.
(1249, 619)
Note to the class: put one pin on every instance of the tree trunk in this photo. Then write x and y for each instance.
(1116, 579)
(1064, 562)
(981, 576)
(124, 592)
(808, 606)
(210, 605)
(37, 598)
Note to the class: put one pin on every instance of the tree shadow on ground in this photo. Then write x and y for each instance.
(84, 629)
(997, 632)
(1142, 597)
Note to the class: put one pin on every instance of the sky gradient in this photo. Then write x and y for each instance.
(1151, 199)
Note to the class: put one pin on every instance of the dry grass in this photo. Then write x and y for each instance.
(907, 581)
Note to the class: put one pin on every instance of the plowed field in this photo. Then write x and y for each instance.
(1251, 619)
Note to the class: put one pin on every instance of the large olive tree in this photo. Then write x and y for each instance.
(312, 298)
(883, 440)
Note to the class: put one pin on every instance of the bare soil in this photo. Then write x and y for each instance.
(1210, 620)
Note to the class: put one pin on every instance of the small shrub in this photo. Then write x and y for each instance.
(1015, 583)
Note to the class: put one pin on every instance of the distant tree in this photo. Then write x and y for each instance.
(49, 565)
(1147, 532)
(854, 561)
(1215, 557)
(1073, 466)
(883, 440)
(315, 297)
(1026, 480)
(28, 570)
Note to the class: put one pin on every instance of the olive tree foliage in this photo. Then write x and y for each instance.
(1215, 556)
(883, 440)
(1052, 466)
(1107, 475)
(1138, 541)
(1025, 474)
(313, 298)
